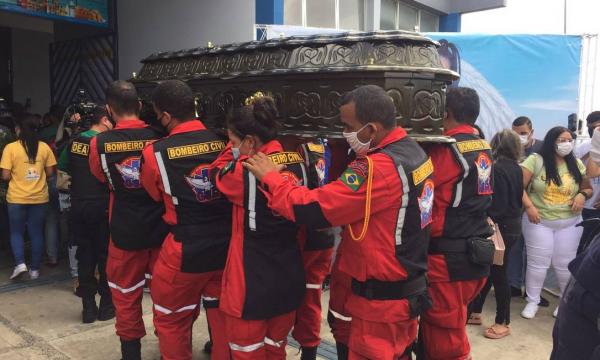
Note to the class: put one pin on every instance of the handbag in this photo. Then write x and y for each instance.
(500, 248)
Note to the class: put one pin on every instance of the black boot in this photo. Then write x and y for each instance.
(309, 353)
(107, 309)
(342, 351)
(90, 310)
(131, 349)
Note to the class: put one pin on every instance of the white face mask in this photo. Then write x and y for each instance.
(359, 147)
(564, 149)
(524, 139)
(235, 151)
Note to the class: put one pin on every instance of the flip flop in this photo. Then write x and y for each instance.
(475, 319)
(497, 331)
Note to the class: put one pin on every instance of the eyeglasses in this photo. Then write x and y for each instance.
(563, 140)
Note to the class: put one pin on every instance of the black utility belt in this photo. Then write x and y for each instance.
(389, 290)
(479, 250)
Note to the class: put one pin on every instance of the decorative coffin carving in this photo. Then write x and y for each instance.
(309, 75)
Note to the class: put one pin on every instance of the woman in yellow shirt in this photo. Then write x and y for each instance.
(556, 192)
(25, 164)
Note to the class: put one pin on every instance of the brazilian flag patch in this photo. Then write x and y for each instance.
(352, 179)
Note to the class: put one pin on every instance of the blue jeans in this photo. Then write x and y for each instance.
(32, 216)
(516, 263)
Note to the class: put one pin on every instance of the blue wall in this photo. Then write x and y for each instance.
(450, 23)
(269, 12)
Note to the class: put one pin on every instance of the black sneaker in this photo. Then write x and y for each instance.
(107, 309)
(515, 292)
(90, 310)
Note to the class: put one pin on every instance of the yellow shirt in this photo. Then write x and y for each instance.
(553, 202)
(28, 180)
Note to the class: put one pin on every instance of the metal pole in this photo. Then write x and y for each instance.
(565, 19)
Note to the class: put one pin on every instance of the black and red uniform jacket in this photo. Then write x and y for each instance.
(264, 275)
(135, 218)
(176, 171)
(393, 253)
(464, 186)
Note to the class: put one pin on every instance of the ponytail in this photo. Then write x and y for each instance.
(28, 135)
(258, 117)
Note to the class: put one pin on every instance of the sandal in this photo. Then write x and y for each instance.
(497, 331)
(475, 319)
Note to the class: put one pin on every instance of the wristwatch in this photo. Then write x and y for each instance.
(585, 194)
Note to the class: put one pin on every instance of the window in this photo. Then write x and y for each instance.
(429, 22)
(407, 17)
(320, 13)
(332, 14)
(352, 14)
(389, 9)
(292, 12)
(396, 15)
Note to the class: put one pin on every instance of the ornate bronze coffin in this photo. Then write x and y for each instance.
(308, 75)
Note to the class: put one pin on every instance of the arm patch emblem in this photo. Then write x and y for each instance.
(228, 168)
(352, 179)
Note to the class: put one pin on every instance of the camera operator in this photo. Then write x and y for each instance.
(89, 217)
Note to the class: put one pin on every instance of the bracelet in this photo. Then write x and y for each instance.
(585, 194)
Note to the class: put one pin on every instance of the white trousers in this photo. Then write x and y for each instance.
(551, 242)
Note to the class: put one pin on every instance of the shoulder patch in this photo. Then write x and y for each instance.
(352, 179)
(422, 172)
(426, 203)
(286, 158)
(472, 145)
(80, 148)
(484, 174)
(318, 148)
(360, 166)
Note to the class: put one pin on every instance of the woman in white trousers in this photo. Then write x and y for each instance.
(556, 190)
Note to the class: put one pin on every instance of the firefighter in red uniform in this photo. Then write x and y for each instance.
(385, 199)
(317, 249)
(263, 280)
(176, 171)
(459, 252)
(136, 227)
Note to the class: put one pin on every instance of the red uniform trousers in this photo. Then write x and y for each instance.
(177, 300)
(127, 271)
(379, 340)
(307, 330)
(339, 291)
(443, 327)
(258, 339)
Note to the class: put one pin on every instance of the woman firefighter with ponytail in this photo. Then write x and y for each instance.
(263, 281)
(384, 199)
